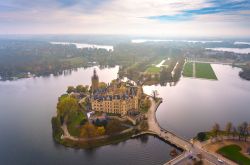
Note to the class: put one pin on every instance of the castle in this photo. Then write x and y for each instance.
(117, 97)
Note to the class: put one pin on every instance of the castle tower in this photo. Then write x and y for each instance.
(95, 81)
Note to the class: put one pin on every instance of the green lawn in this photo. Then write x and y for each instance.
(232, 152)
(188, 69)
(153, 69)
(204, 70)
(74, 124)
(74, 61)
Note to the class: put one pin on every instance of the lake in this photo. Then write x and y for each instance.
(194, 105)
(26, 109)
(234, 50)
(84, 45)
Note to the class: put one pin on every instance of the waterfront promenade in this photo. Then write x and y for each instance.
(188, 147)
(163, 133)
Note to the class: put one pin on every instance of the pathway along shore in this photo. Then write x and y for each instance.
(189, 148)
(155, 129)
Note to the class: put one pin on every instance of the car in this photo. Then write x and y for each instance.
(221, 161)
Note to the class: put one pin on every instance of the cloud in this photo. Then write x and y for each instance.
(150, 17)
(224, 7)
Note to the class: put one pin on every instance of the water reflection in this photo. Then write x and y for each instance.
(26, 108)
(194, 105)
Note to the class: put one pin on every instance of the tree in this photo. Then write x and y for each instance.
(113, 126)
(88, 131)
(201, 136)
(216, 129)
(155, 94)
(245, 130)
(67, 105)
(145, 104)
(100, 131)
(70, 89)
(81, 89)
(102, 85)
(240, 131)
(228, 128)
(234, 132)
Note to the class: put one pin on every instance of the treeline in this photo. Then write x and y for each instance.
(245, 73)
(242, 131)
(18, 57)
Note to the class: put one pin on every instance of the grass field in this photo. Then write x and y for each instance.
(188, 70)
(153, 69)
(73, 126)
(204, 70)
(233, 153)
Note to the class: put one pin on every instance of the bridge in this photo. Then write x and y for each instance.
(178, 141)
(163, 133)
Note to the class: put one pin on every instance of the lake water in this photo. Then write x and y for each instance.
(234, 50)
(26, 109)
(163, 40)
(83, 45)
(194, 105)
(241, 43)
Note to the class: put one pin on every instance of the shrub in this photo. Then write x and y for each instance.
(201, 136)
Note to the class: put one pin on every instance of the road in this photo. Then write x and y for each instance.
(187, 146)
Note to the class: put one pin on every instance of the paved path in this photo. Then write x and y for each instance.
(194, 69)
(161, 132)
(66, 134)
(213, 62)
(187, 146)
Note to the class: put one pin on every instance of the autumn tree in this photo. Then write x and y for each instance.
(145, 104)
(88, 130)
(113, 126)
(100, 131)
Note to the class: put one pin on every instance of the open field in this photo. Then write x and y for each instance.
(204, 70)
(153, 69)
(199, 70)
(188, 69)
(233, 152)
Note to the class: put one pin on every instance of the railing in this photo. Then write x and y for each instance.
(176, 159)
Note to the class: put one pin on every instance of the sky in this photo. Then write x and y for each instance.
(186, 18)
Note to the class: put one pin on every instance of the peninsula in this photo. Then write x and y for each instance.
(101, 114)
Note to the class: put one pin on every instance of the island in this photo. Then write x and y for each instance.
(101, 114)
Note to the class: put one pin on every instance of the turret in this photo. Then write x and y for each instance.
(95, 81)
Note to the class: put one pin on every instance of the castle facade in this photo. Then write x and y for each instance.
(117, 97)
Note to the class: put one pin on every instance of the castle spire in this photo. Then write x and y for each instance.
(95, 81)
